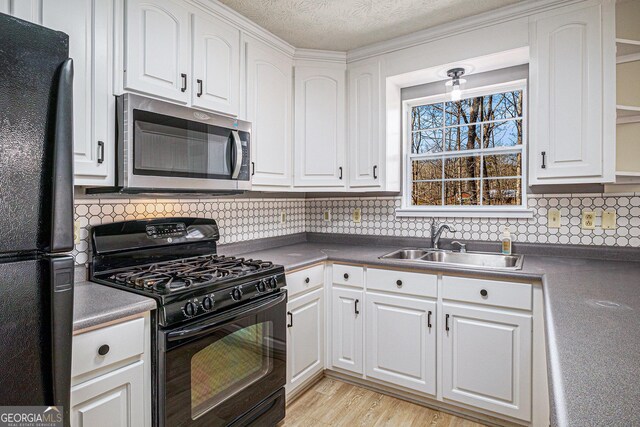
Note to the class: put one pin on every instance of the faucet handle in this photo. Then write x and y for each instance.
(463, 246)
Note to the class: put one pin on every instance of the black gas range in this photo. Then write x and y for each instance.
(219, 342)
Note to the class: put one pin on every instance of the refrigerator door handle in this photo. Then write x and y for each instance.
(61, 280)
(62, 185)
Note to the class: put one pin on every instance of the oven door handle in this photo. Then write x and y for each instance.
(238, 157)
(224, 318)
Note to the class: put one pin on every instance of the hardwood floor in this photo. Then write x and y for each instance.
(335, 403)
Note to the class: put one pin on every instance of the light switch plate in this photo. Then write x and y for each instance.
(357, 215)
(326, 216)
(609, 220)
(553, 218)
(588, 220)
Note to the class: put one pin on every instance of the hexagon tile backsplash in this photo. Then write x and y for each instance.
(242, 219)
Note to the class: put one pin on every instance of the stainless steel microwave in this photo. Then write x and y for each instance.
(167, 147)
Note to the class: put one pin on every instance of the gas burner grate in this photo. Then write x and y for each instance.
(171, 276)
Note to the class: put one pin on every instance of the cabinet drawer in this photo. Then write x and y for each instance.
(403, 282)
(348, 275)
(304, 280)
(124, 340)
(480, 291)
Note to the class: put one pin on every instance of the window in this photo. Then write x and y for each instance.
(467, 156)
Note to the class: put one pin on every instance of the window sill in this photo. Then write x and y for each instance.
(463, 212)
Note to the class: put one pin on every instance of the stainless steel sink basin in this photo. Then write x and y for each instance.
(484, 260)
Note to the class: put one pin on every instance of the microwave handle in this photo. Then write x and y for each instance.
(238, 157)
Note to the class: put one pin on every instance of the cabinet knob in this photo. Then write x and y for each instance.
(346, 276)
(103, 350)
(307, 280)
(484, 292)
(399, 283)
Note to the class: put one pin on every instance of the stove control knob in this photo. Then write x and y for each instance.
(207, 303)
(273, 283)
(190, 309)
(236, 294)
(262, 286)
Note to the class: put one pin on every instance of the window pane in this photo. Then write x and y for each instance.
(462, 192)
(502, 165)
(429, 141)
(503, 105)
(427, 194)
(465, 111)
(502, 134)
(426, 169)
(502, 192)
(462, 138)
(462, 167)
(426, 116)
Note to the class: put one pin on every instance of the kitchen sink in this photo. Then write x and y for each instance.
(484, 260)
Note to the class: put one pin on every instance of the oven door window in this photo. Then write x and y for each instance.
(169, 146)
(229, 365)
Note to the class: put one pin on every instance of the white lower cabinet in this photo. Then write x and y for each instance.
(347, 329)
(401, 341)
(486, 359)
(305, 338)
(111, 400)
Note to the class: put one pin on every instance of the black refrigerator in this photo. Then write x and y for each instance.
(36, 215)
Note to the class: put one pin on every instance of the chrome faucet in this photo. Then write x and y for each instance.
(436, 231)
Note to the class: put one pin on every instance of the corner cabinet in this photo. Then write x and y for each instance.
(320, 133)
(269, 109)
(572, 108)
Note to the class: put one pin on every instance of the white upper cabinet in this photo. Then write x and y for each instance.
(320, 152)
(157, 48)
(215, 83)
(364, 125)
(268, 108)
(29, 10)
(572, 126)
(89, 24)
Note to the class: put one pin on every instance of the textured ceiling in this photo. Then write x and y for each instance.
(346, 24)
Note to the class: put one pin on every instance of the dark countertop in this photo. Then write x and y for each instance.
(592, 321)
(95, 304)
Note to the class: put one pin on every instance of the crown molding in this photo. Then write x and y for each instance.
(486, 19)
(245, 24)
(320, 55)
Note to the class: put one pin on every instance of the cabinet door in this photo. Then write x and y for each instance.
(89, 24)
(216, 65)
(401, 341)
(319, 127)
(364, 125)
(269, 99)
(29, 10)
(346, 334)
(486, 359)
(157, 48)
(569, 129)
(115, 399)
(305, 338)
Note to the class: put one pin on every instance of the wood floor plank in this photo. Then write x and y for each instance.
(331, 402)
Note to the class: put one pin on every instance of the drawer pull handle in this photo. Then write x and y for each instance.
(429, 319)
(356, 306)
(290, 314)
(446, 323)
(184, 82)
(484, 292)
(103, 350)
(399, 283)
(346, 276)
(307, 280)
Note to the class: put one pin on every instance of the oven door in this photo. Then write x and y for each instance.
(218, 370)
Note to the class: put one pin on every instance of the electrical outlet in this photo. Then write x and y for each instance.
(326, 216)
(588, 220)
(76, 232)
(357, 215)
(553, 218)
(609, 220)
(283, 217)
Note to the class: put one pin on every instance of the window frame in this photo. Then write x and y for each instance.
(477, 211)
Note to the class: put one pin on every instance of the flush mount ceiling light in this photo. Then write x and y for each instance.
(454, 86)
